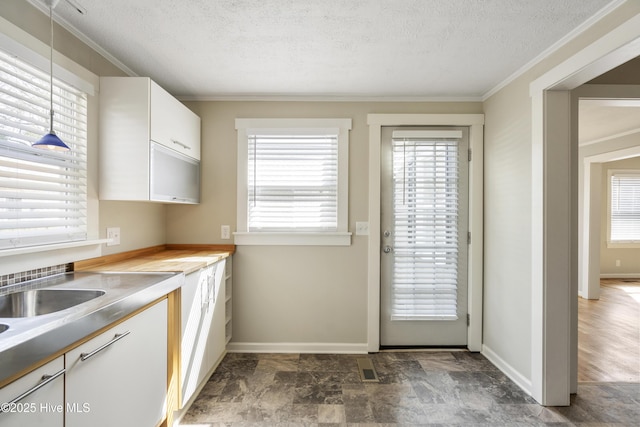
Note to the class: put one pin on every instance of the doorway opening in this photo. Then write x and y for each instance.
(555, 243)
(608, 326)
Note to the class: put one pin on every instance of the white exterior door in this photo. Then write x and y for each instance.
(424, 223)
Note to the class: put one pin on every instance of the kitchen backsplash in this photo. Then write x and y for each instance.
(12, 279)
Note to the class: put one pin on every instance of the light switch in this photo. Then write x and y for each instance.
(362, 228)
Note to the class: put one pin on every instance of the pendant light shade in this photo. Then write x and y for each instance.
(50, 141)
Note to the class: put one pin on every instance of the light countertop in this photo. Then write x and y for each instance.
(169, 258)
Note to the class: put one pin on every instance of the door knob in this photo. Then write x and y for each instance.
(387, 249)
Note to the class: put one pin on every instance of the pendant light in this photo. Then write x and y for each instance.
(51, 141)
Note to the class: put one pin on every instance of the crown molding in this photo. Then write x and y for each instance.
(555, 47)
(84, 39)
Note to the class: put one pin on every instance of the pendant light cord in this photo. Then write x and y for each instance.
(51, 69)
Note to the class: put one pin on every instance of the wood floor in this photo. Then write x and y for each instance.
(609, 333)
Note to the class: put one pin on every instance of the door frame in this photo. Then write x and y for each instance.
(476, 218)
(554, 175)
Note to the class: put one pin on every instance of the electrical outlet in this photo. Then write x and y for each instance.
(618, 263)
(225, 232)
(113, 234)
(362, 228)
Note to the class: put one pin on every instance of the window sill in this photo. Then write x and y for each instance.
(52, 247)
(623, 245)
(292, 239)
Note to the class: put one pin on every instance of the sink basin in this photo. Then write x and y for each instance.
(3, 327)
(37, 302)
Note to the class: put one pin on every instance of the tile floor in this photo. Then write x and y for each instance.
(416, 388)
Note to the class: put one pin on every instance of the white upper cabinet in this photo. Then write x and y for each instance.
(172, 124)
(135, 115)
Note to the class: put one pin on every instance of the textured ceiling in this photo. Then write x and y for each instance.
(327, 48)
(604, 118)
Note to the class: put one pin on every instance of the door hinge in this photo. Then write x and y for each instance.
(469, 154)
(468, 237)
(468, 319)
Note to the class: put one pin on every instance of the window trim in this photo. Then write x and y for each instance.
(340, 237)
(27, 47)
(618, 244)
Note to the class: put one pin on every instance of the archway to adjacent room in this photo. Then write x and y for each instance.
(554, 195)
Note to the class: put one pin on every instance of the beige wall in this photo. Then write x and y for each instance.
(282, 294)
(507, 329)
(507, 227)
(629, 257)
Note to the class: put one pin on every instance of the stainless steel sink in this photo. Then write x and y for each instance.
(3, 327)
(37, 302)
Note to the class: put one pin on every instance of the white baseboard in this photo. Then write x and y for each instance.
(294, 347)
(522, 382)
(620, 276)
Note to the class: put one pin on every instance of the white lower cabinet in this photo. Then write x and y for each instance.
(119, 378)
(44, 406)
(202, 326)
(216, 344)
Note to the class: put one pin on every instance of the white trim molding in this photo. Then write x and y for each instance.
(289, 347)
(554, 261)
(338, 126)
(522, 382)
(554, 48)
(293, 239)
(476, 218)
(620, 276)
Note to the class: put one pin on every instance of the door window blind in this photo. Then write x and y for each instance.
(43, 194)
(425, 201)
(292, 181)
(625, 208)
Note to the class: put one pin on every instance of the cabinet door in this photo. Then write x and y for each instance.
(124, 138)
(44, 407)
(125, 383)
(189, 131)
(216, 342)
(195, 325)
(173, 124)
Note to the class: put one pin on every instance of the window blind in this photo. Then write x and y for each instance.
(292, 181)
(625, 208)
(425, 201)
(43, 194)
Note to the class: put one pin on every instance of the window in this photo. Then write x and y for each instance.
(426, 209)
(43, 195)
(624, 207)
(292, 181)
